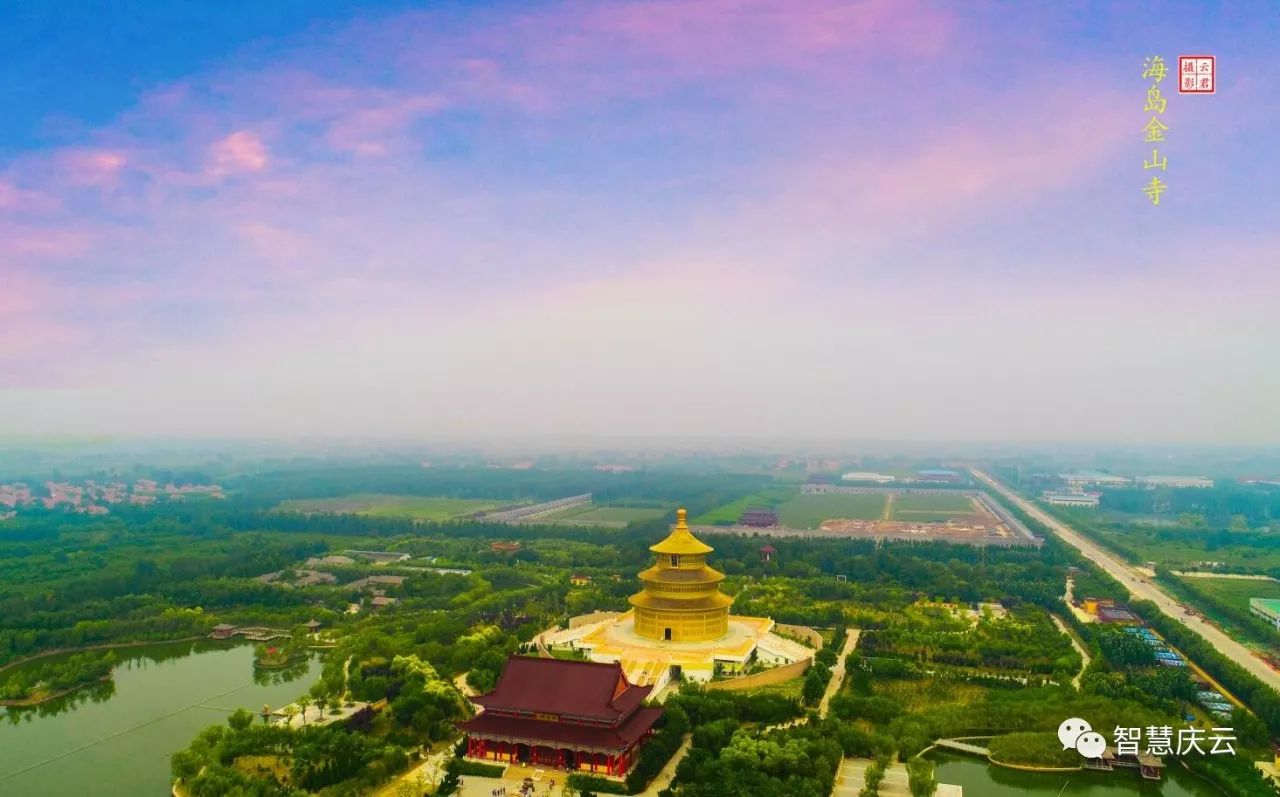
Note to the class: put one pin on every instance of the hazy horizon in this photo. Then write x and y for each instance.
(820, 220)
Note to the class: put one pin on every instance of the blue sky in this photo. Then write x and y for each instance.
(209, 210)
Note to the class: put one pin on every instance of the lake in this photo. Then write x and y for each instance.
(981, 779)
(114, 739)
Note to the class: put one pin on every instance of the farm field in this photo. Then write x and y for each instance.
(389, 506)
(604, 515)
(1236, 592)
(808, 511)
(1225, 601)
(930, 508)
(1174, 547)
(728, 514)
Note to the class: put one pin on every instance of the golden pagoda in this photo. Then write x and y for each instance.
(681, 600)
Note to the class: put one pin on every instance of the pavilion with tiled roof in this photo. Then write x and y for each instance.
(574, 715)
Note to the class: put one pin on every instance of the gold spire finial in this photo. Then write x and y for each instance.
(681, 513)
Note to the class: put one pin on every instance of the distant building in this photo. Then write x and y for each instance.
(1266, 608)
(223, 631)
(369, 581)
(1086, 478)
(1071, 498)
(936, 475)
(1117, 615)
(579, 580)
(867, 476)
(767, 553)
(1151, 482)
(504, 547)
(759, 517)
(336, 559)
(1091, 605)
(310, 578)
(881, 479)
(302, 578)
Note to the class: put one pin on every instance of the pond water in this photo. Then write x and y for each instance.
(981, 779)
(114, 739)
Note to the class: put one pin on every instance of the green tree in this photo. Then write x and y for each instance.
(921, 777)
(240, 719)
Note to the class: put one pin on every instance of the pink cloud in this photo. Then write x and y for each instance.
(239, 152)
(273, 242)
(1011, 151)
(20, 242)
(22, 200)
(372, 129)
(32, 339)
(92, 166)
(720, 35)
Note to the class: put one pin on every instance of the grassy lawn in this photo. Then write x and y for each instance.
(790, 689)
(1236, 591)
(932, 503)
(1179, 548)
(930, 508)
(926, 693)
(1170, 544)
(808, 511)
(1225, 601)
(399, 506)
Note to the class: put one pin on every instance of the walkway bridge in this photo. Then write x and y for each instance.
(962, 747)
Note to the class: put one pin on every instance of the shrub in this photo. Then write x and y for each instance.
(595, 783)
(464, 766)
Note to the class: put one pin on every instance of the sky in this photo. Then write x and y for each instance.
(881, 219)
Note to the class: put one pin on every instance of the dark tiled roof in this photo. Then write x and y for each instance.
(556, 686)
(562, 733)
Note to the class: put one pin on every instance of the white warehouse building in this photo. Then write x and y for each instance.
(1175, 481)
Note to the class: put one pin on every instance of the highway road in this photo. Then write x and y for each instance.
(1138, 584)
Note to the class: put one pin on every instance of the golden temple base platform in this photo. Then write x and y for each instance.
(650, 662)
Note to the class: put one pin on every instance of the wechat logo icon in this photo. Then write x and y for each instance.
(1076, 734)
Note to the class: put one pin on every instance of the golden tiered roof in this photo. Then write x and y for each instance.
(681, 540)
(681, 599)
